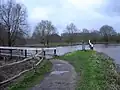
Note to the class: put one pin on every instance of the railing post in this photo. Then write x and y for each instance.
(25, 53)
(55, 52)
(44, 54)
(83, 45)
(21, 52)
(0, 51)
(91, 45)
(10, 53)
(36, 51)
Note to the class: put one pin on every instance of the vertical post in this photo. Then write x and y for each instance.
(10, 53)
(25, 53)
(36, 51)
(0, 51)
(90, 45)
(0, 54)
(83, 45)
(21, 52)
(44, 54)
(55, 52)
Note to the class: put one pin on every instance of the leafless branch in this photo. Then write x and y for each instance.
(14, 18)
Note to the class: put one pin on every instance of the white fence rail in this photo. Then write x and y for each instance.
(22, 51)
(40, 54)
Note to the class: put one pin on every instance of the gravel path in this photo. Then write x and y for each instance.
(62, 77)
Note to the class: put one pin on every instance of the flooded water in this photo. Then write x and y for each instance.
(67, 49)
(111, 50)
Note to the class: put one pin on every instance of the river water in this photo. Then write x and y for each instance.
(67, 49)
(111, 50)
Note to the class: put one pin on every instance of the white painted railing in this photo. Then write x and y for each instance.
(37, 56)
(21, 51)
(25, 48)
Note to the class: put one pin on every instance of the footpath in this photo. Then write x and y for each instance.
(62, 77)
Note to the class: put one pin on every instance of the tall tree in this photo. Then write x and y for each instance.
(106, 32)
(70, 30)
(43, 30)
(14, 17)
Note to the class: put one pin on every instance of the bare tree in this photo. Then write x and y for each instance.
(43, 30)
(70, 29)
(14, 17)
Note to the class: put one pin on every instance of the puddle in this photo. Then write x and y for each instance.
(59, 64)
(59, 72)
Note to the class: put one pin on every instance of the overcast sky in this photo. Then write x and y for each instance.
(90, 14)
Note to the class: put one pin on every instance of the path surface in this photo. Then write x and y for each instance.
(62, 77)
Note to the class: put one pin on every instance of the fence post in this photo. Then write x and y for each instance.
(25, 53)
(90, 45)
(36, 51)
(55, 52)
(0, 51)
(10, 53)
(83, 45)
(21, 52)
(43, 54)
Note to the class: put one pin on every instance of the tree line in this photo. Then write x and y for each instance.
(14, 29)
(46, 32)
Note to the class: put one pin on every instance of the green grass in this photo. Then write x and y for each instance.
(30, 78)
(95, 70)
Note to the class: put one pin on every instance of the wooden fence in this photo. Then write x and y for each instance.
(35, 59)
(21, 51)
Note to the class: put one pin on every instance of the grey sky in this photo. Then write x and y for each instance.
(90, 14)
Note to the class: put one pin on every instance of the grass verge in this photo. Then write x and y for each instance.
(96, 71)
(30, 78)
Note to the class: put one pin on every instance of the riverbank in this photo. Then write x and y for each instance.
(31, 78)
(52, 45)
(95, 71)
